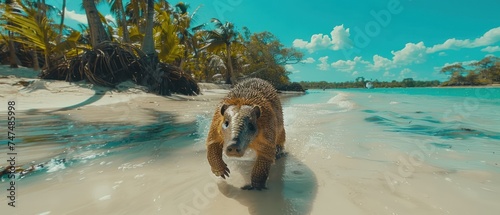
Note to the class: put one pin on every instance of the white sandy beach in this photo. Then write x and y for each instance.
(177, 179)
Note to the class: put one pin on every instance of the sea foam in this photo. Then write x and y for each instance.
(342, 101)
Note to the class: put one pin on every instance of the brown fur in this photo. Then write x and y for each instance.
(270, 138)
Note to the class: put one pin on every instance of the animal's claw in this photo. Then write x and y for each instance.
(250, 187)
(222, 173)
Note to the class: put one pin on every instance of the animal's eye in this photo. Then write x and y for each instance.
(225, 124)
(251, 127)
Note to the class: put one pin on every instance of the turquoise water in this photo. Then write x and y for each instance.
(340, 142)
(55, 142)
(447, 122)
(457, 128)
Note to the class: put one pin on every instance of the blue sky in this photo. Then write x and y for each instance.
(377, 39)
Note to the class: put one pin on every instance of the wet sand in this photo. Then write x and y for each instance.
(158, 164)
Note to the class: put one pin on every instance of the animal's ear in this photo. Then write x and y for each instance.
(256, 110)
(223, 109)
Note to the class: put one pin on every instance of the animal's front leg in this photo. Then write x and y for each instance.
(260, 172)
(214, 156)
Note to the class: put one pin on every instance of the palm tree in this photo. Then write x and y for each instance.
(148, 45)
(34, 30)
(215, 64)
(14, 61)
(223, 35)
(41, 18)
(97, 32)
(135, 11)
(167, 43)
(183, 20)
(153, 77)
(119, 11)
(61, 25)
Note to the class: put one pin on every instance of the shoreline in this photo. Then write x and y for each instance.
(478, 86)
(127, 102)
(127, 151)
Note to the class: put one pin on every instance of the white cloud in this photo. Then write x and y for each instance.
(490, 37)
(318, 41)
(355, 73)
(299, 43)
(291, 69)
(338, 39)
(491, 49)
(111, 18)
(388, 74)
(324, 63)
(411, 53)
(82, 18)
(349, 65)
(379, 63)
(71, 14)
(443, 54)
(308, 60)
(406, 73)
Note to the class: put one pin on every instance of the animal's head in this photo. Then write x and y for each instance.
(239, 127)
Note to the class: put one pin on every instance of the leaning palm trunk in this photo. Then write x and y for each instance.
(97, 32)
(14, 61)
(42, 14)
(123, 22)
(61, 25)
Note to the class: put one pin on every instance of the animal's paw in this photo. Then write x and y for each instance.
(254, 186)
(222, 172)
(281, 155)
(280, 152)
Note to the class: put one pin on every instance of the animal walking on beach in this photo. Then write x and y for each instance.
(250, 116)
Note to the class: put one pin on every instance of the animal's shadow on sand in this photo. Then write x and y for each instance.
(291, 189)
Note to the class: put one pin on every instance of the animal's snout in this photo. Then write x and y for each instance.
(234, 150)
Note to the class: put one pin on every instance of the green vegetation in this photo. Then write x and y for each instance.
(484, 72)
(152, 43)
(361, 83)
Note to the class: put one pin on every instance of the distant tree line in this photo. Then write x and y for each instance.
(360, 82)
(484, 72)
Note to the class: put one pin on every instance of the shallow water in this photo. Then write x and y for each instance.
(382, 151)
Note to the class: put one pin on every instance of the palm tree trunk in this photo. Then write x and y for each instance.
(13, 57)
(153, 78)
(148, 45)
(14, 61)
(36, 64)
(229, 74)
(61, 25)
(97, 32)
(42, 14)
(126, 34)
(135, 7)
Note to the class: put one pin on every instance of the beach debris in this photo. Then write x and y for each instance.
(110, 64)
(22, 171)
